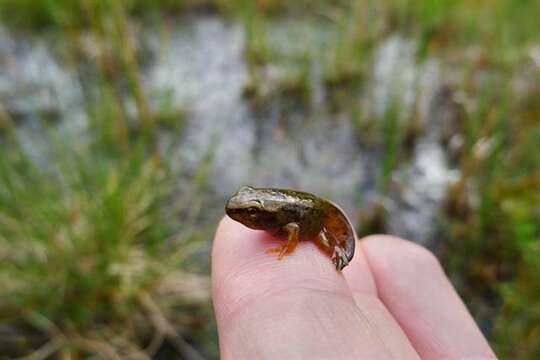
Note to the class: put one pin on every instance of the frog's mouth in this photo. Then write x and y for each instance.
(241, 216)
(233, 213)
(236, 212)
(245, 213)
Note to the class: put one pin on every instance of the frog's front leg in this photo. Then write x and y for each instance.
(293, 237)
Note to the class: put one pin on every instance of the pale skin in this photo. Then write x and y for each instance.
(393, 301)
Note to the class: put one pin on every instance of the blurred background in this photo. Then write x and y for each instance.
(125, 125)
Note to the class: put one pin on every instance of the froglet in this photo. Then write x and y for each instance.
(296, 216)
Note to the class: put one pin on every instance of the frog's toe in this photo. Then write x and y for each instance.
(282, 250)
(274, 250)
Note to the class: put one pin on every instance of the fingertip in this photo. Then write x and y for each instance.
(235, 247)
(231, 237)
(242, 270)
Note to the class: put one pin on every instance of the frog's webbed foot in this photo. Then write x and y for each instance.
(327, 242)
(293, 231)
(339, 258)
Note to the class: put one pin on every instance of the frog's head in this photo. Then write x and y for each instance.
(255, 208)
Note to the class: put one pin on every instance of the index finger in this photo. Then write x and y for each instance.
(299, 307)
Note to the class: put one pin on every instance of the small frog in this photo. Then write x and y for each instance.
(297, 216)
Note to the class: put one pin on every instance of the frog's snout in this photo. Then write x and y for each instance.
(230, 210)
(233, 209)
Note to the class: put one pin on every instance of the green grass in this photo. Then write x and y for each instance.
(493, 235)
(88, 245)
(95, 261)
(500, 30)
(40, 14)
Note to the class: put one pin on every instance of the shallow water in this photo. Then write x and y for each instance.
(202, 64)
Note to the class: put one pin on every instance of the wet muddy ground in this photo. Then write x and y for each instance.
(199, 65)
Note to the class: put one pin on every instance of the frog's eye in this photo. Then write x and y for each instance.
(252, 211)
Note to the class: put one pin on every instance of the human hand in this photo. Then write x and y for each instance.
(393, 301)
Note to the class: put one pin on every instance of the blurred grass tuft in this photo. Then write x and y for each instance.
(93, 259)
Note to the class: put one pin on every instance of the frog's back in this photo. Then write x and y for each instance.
(289, 196)
(327, 217)
(305, 209)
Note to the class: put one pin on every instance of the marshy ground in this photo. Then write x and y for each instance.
(124, 126)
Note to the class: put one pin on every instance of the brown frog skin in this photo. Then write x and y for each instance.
(296, 216)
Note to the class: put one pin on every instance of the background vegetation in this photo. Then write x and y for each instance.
(94, 260)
